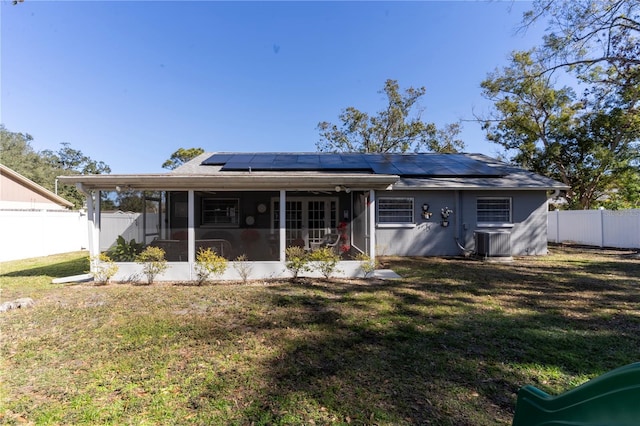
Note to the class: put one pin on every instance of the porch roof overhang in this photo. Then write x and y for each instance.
(234, 181)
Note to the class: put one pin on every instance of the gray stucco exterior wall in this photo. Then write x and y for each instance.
(427, 237)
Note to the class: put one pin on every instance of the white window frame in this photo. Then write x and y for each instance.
(382, 208)
(495, 221)
(233, 213)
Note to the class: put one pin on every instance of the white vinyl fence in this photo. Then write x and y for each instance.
(34, 233)
(129, 225)
(600, 228)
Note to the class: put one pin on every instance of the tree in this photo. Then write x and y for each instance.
(627, 195)
(17, 154)
(587, 143)
(446, 139)
(180, 157)
(395, 129)
(74, 161)
(596, 38)
(43, 167)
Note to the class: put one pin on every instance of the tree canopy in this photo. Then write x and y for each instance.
(181, 156)
(587, 140)
(43, 167)
(592, 37)
(397, 128)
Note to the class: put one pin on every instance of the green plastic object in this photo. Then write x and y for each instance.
(612, 399)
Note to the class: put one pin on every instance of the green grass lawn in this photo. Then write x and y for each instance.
(450, 343)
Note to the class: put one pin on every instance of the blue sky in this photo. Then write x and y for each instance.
(128, 83)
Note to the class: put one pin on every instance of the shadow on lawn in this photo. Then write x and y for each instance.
(434, 353)
(76, 266)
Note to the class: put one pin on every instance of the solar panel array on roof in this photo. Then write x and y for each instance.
(415, 165)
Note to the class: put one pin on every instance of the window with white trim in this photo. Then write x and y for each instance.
(395, 210)
(220, 212)
(493, 210)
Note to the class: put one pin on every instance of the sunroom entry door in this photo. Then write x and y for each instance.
(307, 220)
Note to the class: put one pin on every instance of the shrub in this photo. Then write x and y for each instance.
(325, 261)
(242, 267)
(125, 251)
(153, 262)
(103, 268)
(297, 261)
(209, 263)
(367, 264)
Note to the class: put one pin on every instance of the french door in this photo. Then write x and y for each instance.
(307, 219)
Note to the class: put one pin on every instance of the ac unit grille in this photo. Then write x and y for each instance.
(493, 243)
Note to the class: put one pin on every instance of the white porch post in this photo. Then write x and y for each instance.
(93, 227)
(372, 224)
(191, 232)
(282, 226)
(96, 223)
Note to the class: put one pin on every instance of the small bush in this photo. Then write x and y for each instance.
(125, 251)
(325, 261)
(103, 268)
(367, 264)
(242, 267)
(209, 263)
(297, 261)
(153, 262)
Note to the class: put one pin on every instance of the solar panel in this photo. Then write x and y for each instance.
(218, 159)
(414, 165)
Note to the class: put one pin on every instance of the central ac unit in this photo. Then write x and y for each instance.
(493, 243)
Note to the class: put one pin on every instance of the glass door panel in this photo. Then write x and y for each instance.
(307, 219)
(316, 214)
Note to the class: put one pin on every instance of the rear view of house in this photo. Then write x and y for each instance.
(258, 204)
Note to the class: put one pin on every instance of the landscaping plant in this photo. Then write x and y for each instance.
(242, 267)
(103, 268)
(325, 261)
(125, 251)
(367, 264)
(153, 262)
(209, 263)
(297, 261)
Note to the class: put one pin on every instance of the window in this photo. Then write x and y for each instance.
(494, 210)
(395, 210)
(220, 212)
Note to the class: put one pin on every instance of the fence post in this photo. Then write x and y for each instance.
(601, 227)
(638, 234)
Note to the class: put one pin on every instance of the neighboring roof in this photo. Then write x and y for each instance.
(324, 171)
(44, 195)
